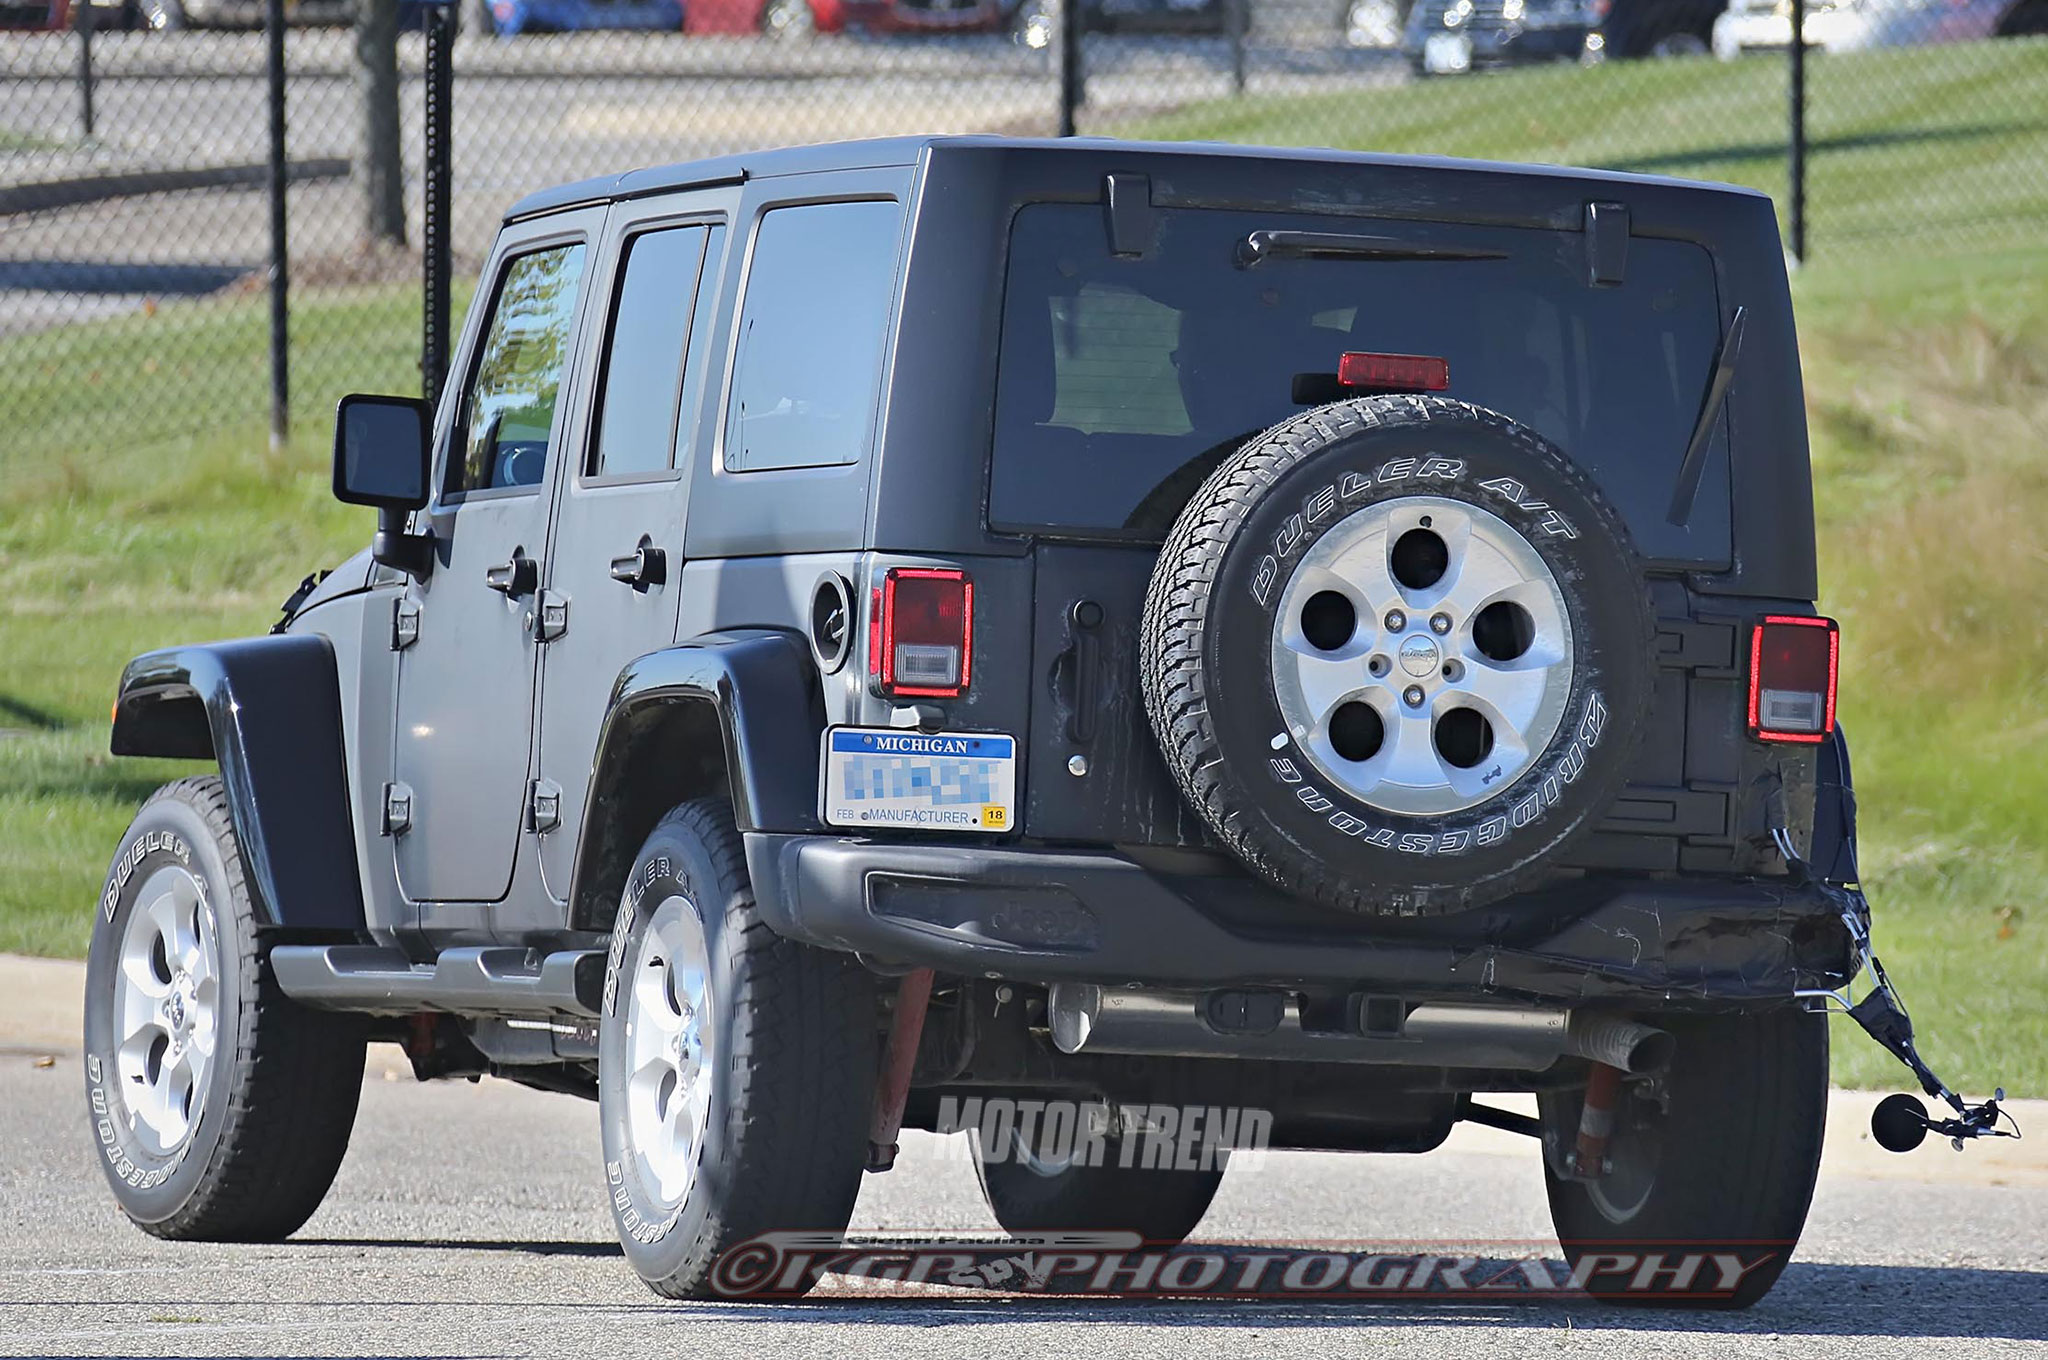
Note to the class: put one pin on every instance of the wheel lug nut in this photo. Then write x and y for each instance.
(1396, 620)
(1413, 695)
(1440, 623)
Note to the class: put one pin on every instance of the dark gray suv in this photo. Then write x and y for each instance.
(878, 625)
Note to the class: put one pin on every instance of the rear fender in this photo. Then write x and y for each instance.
(738, 713)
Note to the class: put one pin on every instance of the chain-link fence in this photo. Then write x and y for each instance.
(133, 212)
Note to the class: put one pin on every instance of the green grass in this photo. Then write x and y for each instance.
(1927, 388)
(1946, 144)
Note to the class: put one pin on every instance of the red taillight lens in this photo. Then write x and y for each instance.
(924, 646)
(1793, 663)
(1394, 372)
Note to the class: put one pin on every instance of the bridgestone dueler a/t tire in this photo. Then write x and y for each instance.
(280, 1101)
(1737, 1131)
(1207, 654)
(792, 1068)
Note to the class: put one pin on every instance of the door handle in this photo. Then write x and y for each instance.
(520, 576)
(645, 566)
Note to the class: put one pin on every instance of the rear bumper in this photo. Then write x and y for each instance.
(1039, 915)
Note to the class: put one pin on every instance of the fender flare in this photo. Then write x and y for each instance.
(761, 692)
(267, 712)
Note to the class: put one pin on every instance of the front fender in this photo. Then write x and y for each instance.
(267, 711)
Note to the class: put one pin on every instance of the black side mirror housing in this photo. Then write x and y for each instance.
(383, 450)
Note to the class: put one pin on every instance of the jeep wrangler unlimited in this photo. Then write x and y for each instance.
(879, 624)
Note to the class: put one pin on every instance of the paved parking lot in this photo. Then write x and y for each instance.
(469, 1220)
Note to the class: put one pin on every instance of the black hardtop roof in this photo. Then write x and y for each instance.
(887, 151)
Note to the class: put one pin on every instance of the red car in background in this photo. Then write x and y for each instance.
(43, 16)
(799, 18)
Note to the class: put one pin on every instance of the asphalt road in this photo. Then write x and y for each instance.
(469, 1220)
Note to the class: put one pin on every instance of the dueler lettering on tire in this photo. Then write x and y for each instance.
(1397, 654)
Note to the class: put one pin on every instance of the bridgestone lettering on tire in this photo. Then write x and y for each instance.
(1312, 619)
(746, 1112)
(220, 1108)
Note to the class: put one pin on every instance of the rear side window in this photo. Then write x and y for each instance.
(811, 332)
(1125, 381)
(643, 363)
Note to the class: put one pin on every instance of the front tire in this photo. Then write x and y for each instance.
(221, 1108)
(735, 1068)
(1723, 1157)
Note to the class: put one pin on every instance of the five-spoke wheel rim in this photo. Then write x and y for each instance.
(669, 1033)
(167, 1008)
(1422, 656)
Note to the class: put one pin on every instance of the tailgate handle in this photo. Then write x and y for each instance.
(1086, 617)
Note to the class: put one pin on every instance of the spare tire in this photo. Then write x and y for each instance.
(1397, 651)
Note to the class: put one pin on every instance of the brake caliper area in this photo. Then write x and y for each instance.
(1901, 1122)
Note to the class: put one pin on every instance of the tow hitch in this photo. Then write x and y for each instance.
(1901, 1122)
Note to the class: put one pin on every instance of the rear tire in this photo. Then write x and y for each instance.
(1031, 1195)
(221, 1108)
(735, 1068)
(1728, 1164)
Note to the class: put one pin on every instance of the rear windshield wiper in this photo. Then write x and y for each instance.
(1694, 465)
(1261, 246)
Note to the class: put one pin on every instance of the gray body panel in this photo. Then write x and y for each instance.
(470, 715)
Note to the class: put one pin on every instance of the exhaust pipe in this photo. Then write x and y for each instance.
(1085, 1018)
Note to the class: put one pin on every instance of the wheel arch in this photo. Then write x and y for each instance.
(737, 714)
(267, 712)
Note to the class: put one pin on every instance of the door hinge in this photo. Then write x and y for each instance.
(549, 617)
(397, 809)
(544, 805)
(405, 622)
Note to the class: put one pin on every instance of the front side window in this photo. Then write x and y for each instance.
(508, 410)
(812, 329)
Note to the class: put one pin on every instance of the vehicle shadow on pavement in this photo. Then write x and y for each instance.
(593, 1249)
(1811, 1299)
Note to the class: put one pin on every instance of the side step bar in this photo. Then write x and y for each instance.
(479, 981)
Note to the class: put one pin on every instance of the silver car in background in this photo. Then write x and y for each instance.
(1854, 25)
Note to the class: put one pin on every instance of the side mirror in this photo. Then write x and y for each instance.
(382, 455)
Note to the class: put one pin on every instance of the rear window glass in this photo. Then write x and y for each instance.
(1124, 381)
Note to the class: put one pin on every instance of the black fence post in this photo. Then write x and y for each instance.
(1239, 20)
(1796, 157)
(1072, 19)
(434, 244)
(85, 119)
(280, 301)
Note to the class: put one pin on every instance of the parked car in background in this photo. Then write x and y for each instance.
(1037, 22)
(508, 18)
(1447, 37)
(35, 16)
(1852, 25)
(1373, 24)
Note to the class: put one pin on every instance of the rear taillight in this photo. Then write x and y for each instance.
(1793, 662)
(921, 643)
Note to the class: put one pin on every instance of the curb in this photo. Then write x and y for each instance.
(42, 1002)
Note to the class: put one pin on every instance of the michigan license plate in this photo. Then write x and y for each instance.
(945, 781)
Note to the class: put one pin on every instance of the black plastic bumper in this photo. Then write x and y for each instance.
(1043, 915)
